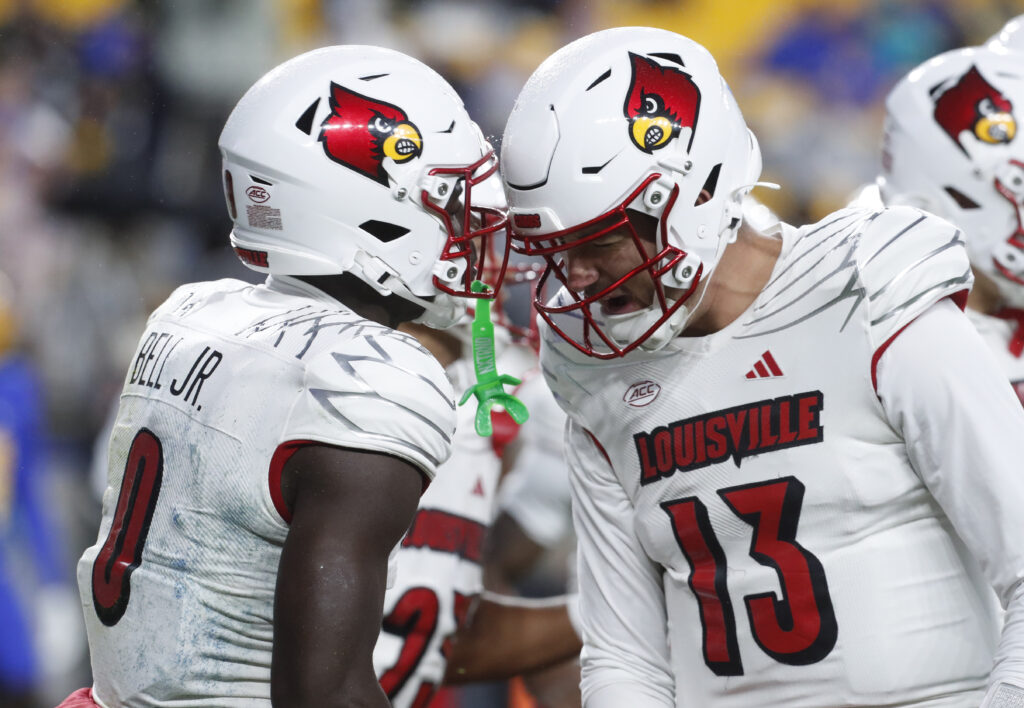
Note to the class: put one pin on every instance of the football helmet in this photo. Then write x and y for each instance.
(951, 147)
(362, 160)
(1010, 38)
(632, 118)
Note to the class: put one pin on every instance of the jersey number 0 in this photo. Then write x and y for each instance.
(122, 550)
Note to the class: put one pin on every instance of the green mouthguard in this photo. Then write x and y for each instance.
(489, 387)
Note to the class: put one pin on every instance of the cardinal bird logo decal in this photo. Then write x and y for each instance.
(662, 100)
(360, 132)
(974, 104)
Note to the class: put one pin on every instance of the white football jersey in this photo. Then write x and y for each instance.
(751, 530)
(227, 381)
(439, 560)
(535, 491)
(998, 334)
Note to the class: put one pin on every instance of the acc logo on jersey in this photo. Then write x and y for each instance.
(662, 100)
(360, 132)
(257, 194)
(641, 393)
(974, 104)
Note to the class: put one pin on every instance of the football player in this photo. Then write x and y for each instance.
(439, 625)
(794, 466)
(951, 148)
(273, 441)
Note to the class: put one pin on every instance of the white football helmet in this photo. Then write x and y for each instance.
(951, 147)
(1010, 38)
(629, 118)
(362, 160)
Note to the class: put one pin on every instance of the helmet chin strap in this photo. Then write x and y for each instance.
(440, 312)
(625, 329)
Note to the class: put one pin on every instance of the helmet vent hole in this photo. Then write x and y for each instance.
(260, 180)
(599, 79)
(382, 230)
(710, 184)
(962, 200)
(305, 121)
(669, 56)
(371, 77)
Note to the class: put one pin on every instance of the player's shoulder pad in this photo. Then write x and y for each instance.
(383, 392)
(192, 295)
(908, 260)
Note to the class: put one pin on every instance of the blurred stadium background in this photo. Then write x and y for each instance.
(109, 170)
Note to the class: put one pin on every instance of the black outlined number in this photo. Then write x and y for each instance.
(121, 552)
(798, 628)
(414, 618)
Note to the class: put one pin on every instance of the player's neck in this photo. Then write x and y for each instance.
(739, 277)
(445, 347)
(984, 296)
(366, 302)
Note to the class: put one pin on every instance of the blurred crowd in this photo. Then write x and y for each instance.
(109, 172)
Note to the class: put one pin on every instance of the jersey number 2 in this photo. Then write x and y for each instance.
(415, 617)
(797, 629)
(122, 550)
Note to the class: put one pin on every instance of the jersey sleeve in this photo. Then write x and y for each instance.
(535, 491)
(622, 604)
(964, 431)
(908, 260)
(383, 393)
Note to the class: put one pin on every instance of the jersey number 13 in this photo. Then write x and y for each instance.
(798, 628)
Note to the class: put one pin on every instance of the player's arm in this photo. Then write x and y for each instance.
(964, 427)
(625, 657)
(349, 509)
(507, 636)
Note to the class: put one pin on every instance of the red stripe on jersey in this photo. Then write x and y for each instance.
(772, 364)
(959, 299)
(82, 698)
(878, 355)
(447, 533)
(282, 454)
(600, 447)
(761, 369)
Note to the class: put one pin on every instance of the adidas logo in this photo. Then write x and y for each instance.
(765, 368)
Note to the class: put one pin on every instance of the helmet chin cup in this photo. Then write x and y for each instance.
(445, 311)
(624, 329)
